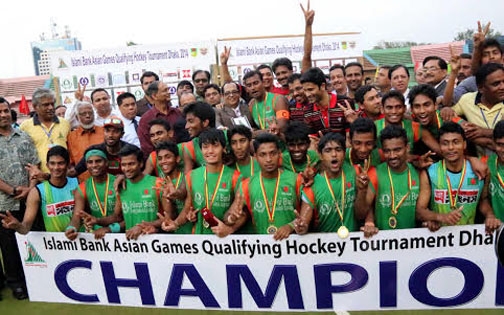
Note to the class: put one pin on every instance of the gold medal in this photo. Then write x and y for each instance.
(205, 224)
(271, 229)
(392, 222)
(343, 232)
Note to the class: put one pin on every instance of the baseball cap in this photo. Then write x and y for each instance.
(113, 121)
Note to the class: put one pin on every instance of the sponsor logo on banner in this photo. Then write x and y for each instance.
(186, 73)
(32, 256)
(84, 81)
(101, 80)
(62, 64)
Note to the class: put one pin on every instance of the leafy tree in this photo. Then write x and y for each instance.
(397, 44)
(468, 34)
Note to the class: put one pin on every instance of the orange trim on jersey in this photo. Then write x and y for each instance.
(246, 194)
(157, 187)
(308, 191)
(373, 177)
(82, 187)
(416, 130)
(190, 147)
(236, 175)
(484, 159)
(153, 158)
(299, 183)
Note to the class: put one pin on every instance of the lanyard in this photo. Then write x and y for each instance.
(251, 166)
(103, 208)
(262, 124)
(216, 188)
(343, 194)
(271, 212)
(499, 178)
(292, 164)
(392, 191)
(453, 201)
(494, 121)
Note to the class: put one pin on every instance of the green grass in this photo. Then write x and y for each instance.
(11, 306)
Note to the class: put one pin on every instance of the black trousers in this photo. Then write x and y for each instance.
(13, 266)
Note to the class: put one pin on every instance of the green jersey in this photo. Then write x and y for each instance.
(193, 149)
(496, 188)
(248, 170)
(158, 171)
(467, 195)
(57, 204)
(218, 188)
(179, 205)
(100, 197)
(330, 212)
(140, 201)
(312, 158)
(263, 112)
(374, 158)
(281, 209)
(413, 130)
(395, 196)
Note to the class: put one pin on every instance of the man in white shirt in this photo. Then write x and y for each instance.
(101, 103)
(128, 114)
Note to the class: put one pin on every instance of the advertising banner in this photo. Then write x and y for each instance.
(455, 267)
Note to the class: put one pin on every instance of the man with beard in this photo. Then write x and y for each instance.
(369, 101)
(45, 128)
(282, 68)
(450, 191)
(114, 130)
(145, 103)
(139, 217)
(93, 197)
(333, 196)
(200, 78)
(299, 100)
(86, 135)
(393, 197)
(353, 77)
(266, 108)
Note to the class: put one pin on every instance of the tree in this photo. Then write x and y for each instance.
(469, 33)
(398, 44)
(130, 43)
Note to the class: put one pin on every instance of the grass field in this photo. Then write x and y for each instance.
(10, 306)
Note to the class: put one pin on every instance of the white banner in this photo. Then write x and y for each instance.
(265, 50)
(405, 269)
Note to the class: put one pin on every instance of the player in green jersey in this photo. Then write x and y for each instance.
(333, 194)
(393, 197)
(53, 199)
(240, 138)
(363, 150)
(174, 182)
(271, 196)
(496, 167)
(95, 196)
(450, 191)
(210, 189)
(394, 109)
(297, 157)
(159, 131)
(199, 117)
(139, 203)
(267, 109)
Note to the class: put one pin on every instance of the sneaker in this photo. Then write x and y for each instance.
(20, 293)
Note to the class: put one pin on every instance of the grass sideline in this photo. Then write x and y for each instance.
(11, 306)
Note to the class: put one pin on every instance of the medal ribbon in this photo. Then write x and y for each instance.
(392, 191)
(262, 124)
(216, 188)
(177, 183)
(453, 201)
(103, 208)
(271, 213)
(292, 164)
(343, 180)
(501, 182)
(438, 117)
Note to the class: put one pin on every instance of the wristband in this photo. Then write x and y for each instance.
(282, 114)
(291, 225)
(70, 227)
(115, 227)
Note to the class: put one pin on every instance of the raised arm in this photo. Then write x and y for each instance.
(309, 16)
(224, 57)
